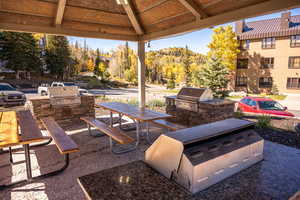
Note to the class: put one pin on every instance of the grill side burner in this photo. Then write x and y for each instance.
(64, 96)
(204, 155)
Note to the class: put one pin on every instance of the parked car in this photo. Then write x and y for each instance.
(43, 89)
(10, 96)
(262, 106)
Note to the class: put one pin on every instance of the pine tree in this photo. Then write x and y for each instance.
(58, 56)
(20, 51)
(215, 75)
(187, 66)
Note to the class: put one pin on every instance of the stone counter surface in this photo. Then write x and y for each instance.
(276, 177)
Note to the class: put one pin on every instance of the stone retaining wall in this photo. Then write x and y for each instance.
(64, 115)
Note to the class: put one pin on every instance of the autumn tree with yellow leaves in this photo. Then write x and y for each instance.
(90, 65)
(224, 46)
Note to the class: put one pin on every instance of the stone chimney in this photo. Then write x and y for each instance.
(285, 20)
(239, 26)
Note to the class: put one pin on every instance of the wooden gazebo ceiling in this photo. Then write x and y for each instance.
(137, 20)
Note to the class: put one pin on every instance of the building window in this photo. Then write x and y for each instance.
(241, 81)
(295, 41)
(293, 83)
(267, 63)
(245, 44)
(242, 63)
(294, 62)
(265, 82)
(268, 43)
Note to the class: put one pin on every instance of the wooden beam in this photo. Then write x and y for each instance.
(132, 17)
(194, 8)
(141, 74)
(64, 31)
(60, 11)
(266, 7)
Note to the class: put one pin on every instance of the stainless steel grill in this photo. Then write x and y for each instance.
(63, 96)
(188, 98)
(201, 156)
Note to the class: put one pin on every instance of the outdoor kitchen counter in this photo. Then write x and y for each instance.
(135, 180)
(276, 177)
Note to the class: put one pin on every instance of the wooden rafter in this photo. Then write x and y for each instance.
(266, 7)
(132, 17)
(194, 8)
(60, 11)
(64, 31)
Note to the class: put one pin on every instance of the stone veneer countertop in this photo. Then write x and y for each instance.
(276, 177)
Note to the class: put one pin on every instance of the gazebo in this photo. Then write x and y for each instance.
(130, 20)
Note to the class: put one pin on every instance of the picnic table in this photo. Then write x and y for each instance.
(135, 113)
(20, 128)
(10, 136)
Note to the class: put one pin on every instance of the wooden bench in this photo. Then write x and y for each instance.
(115, 134)
(168, 125)
(63, 142)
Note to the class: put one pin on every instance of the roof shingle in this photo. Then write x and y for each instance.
(270, 28)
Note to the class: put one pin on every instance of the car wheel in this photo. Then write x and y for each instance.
(43, 93)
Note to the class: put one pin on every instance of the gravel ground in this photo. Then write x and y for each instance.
(94, 156)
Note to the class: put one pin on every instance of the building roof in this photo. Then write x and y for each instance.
(133, 20)
(270, 28)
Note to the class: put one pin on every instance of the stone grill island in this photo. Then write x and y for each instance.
(65, 108)
(196, 106)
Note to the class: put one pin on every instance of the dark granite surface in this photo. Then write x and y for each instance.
(276, 177)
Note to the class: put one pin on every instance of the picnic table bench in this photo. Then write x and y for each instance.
(114, 134)
(10, 136)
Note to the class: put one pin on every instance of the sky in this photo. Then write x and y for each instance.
(196, 41)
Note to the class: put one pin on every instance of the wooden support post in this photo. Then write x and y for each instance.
(141, 74)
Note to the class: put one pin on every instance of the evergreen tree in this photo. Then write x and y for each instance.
(20, 51)
(215, 75)
(187, 66)
(58, 56)
(97, 63)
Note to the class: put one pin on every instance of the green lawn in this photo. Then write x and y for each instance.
(274, 97)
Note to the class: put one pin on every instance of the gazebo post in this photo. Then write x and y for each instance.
(141, 74)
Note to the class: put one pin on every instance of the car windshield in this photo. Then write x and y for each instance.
(270, 105)
(6, 88)
(69, 84)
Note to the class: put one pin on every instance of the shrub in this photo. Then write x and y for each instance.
(263, 121)
(238, 114)
(156, 103)
(94, 83)
(133, 102)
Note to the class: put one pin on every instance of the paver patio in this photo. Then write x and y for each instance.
(277, 177)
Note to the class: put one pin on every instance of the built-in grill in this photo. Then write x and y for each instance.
(201, 156)
(196, 106)
(64, 96)
(189, 98)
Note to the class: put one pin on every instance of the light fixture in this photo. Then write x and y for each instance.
(122, 2)
(149, 44)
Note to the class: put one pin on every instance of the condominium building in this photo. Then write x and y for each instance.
(269, 59)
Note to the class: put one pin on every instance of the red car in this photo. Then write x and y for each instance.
(262, 106)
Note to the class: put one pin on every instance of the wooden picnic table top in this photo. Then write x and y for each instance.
(132, 111)
(9, 131)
